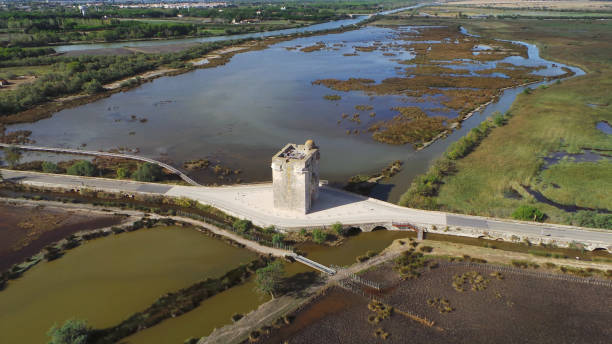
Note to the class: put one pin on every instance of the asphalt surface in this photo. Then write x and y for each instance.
(255, 203)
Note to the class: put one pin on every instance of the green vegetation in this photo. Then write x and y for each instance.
(592, 219)
(409, 264)
(148, 172)
(69, 75)
(319, 236)
(332, 97)
(268, 278)
(82, 168)
(12, 155)
(72, 332)
(47, 25)
(242, 226)
(338, 228)
(49, 167)
(278, 238)
(369, 254)
(494, 176)
(425, 187)
(472, 279)
(123, 173)
(528, 213)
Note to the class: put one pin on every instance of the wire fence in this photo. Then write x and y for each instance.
(363, 281)
(539, 274)
(352, 286)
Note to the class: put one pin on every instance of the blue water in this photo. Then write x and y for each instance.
(241, 113)
(604, 127)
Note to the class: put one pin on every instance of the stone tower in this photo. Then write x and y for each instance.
(295, 177)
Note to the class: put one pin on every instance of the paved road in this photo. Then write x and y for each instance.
(254, 202)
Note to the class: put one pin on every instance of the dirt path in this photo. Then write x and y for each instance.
(506, 257)
(144, 76)
(274, 309)
(251, 245)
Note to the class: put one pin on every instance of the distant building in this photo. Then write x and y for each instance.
(295, 177)
(83, 10)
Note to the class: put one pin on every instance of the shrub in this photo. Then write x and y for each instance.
(72, 332)
(426, 249)
(12, 155)
(147, 172)
(499, 119)
(278, 238)
(318, 236)
(123, 173)
(528, 213)
(93, 86)
(338, 229)
(49, 167)
(592, 219)
(268, 279)
(82, 168)
(242, 226)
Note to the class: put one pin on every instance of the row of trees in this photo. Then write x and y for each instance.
(110, 31)
(72, 75)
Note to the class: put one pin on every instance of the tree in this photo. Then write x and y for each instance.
(72, 332)
(49, 167)
(12, 155)
(123, 173)
(82, 168)
(278, 238)
(268, 278)
(147, 172)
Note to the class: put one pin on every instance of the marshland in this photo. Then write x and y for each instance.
(201, 115)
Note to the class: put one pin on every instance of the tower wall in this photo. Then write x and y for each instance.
(295, 177)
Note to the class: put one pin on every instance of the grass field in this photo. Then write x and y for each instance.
(558, 118)
(559, 5)
(25, 70)
(454, 11)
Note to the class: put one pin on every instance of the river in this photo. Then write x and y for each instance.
(336, 24)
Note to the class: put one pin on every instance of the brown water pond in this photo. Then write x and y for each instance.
(108, 279)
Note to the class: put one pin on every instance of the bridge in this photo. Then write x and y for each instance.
(105, 154)
(313, 264)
